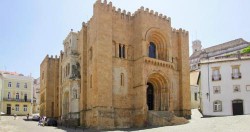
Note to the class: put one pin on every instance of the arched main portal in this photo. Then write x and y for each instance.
(157, 95)
(150, 96)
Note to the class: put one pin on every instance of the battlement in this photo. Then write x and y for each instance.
(181, 31)
(51, 57)
(146, 11)
(127, 15)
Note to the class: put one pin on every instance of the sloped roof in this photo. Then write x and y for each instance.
(219, 47)
(194, 77)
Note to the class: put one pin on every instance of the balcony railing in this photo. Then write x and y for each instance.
(216, 77)
(17, 100)
(236, 75)
(160, 63)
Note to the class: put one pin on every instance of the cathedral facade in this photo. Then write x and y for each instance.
(121, 67)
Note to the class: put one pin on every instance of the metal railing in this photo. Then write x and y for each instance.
(216, 77)
(17, 100)
(236, 75)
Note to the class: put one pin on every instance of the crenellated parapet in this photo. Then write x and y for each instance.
(52, 57)
(146, 11)
(180, 31)
(104, 5)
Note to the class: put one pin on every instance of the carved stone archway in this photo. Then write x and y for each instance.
(158, 92)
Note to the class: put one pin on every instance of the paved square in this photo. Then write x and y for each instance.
(196, 124)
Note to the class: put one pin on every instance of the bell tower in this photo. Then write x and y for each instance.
(196, 45)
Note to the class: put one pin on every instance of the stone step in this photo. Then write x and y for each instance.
(164, 118)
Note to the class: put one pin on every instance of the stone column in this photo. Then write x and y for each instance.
(145, 48)
(126, 52)
(145, 97)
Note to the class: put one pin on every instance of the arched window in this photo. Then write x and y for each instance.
(122, 79)
(123, 51)
(9, 84)
(217, 106)
(120, 51)
(152, 50)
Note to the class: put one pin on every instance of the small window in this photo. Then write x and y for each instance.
(17, 95)
(248, 87)
(17, 107)
(25, 85)
(195, 96)
(17, 85)
(122, 79)
(217, 106)
(90, 53)
(236, 88)
(9, 95)
(216, 76)
(236, 72)
(9, 84)
(216, 89)
(120, 51)
(25, 108)
(123, 51)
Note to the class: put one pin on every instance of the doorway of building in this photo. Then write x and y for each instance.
(8, 109)
(237, 107)
(150, 96)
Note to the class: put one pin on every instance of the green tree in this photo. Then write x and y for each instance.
(245, 50)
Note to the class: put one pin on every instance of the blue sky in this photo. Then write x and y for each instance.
(31, 29)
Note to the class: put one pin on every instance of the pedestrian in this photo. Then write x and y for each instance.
(43, 120)
(14, 116)
(28, 116)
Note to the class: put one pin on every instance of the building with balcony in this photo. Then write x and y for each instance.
(120, 70)
(16, 93)
(225, 86)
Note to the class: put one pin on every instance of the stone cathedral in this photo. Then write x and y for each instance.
(120, 70)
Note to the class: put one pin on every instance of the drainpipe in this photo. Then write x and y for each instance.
(208, 78)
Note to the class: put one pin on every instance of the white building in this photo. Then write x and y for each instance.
(225, 86)
(216, 51)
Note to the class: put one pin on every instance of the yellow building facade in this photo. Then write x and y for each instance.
(16, 94)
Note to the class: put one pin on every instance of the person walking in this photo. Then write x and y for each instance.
(28, 116)
(14, 116)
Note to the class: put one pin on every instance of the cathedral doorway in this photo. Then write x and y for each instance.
(157, 93)
(150, 96)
